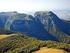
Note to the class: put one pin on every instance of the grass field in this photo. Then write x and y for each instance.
(49, 50)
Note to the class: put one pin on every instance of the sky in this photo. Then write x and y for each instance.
(33, 5)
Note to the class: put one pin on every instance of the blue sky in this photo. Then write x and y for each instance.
(33, 5)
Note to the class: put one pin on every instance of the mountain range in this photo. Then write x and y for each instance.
(44, 25)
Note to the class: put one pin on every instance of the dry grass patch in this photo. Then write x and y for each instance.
(49, 50)
(4, 36)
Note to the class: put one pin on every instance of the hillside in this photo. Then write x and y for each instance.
(20, 43)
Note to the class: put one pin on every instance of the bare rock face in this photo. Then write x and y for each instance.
(50, 26)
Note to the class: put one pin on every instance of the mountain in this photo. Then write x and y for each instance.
(53, 24)
(24, 23)
(44, 25)
(51, 17)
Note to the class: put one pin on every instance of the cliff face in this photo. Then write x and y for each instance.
(46, 19)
